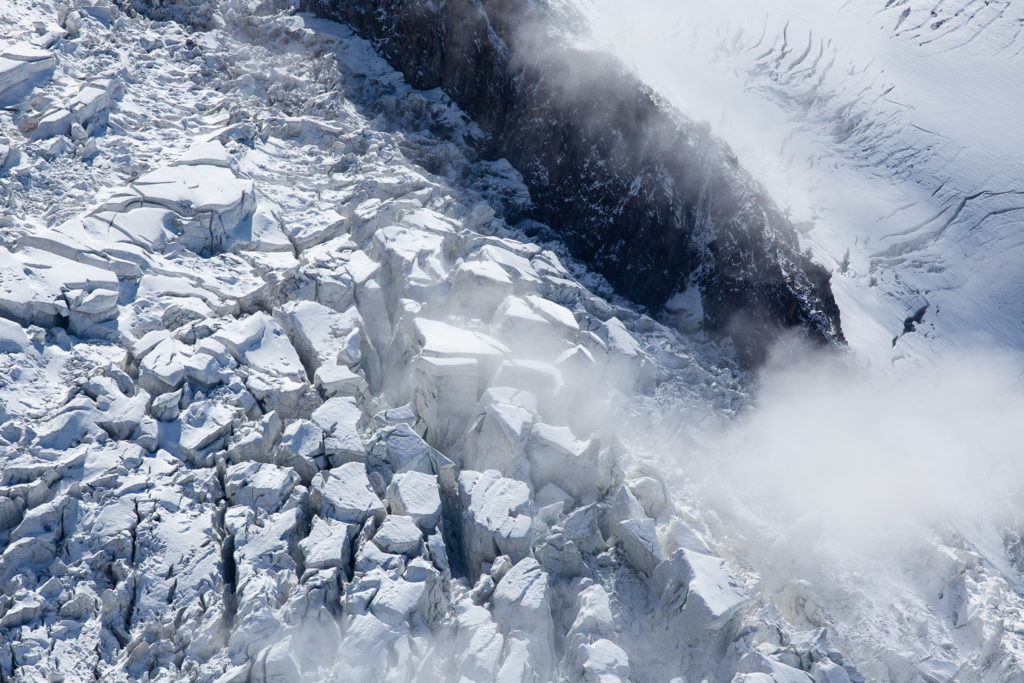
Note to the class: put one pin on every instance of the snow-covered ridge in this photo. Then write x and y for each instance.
(279, 403)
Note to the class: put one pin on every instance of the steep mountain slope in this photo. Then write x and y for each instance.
(290, 391)
(279, 403)
(888, 131)
(640, 193)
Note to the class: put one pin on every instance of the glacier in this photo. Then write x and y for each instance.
(292, 387)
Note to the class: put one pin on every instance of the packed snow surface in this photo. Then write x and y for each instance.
(890, 132)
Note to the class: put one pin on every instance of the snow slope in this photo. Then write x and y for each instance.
(889, 130)
(883, 501)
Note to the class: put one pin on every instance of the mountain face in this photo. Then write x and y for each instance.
(278, 403)
(295, 386)
(647, 198)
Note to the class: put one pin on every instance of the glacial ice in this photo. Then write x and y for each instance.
(272, 405)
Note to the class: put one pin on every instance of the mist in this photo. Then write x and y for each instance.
(862, 453)
(851, 497)
(902, 431)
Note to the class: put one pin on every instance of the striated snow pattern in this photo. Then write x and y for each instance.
(888, 131)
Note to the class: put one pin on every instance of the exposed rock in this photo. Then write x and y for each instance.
(191, 483)
(616, 171)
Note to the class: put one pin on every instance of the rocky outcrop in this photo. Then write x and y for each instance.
(649, 199)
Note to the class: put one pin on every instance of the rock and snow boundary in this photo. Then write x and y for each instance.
(279, 403)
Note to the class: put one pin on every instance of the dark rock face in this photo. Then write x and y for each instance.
(647, 198)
